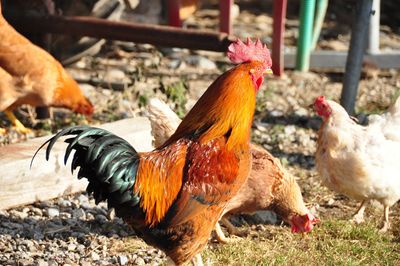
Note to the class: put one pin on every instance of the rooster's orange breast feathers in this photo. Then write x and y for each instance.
(206, 171)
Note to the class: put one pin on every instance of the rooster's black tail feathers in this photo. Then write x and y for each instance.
(107, 161)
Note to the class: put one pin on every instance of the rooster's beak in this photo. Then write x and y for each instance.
(268, 71)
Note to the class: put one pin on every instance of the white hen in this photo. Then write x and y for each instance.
(388, 122)
(361, 162)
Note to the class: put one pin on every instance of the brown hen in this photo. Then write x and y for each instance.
(30, 75)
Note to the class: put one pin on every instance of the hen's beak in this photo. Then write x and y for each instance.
(268, 71)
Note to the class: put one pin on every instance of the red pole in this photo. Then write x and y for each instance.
(225, 18)
(174, 18)
(279, 14)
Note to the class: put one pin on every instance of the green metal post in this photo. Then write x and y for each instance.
(307, 10)
(322, 6)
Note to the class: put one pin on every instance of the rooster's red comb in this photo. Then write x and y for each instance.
(239, 52)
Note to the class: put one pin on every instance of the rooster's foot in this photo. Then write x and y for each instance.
(385, 223)
(358, 219)
(384, 227)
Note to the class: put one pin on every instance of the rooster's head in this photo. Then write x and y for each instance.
(239, 52)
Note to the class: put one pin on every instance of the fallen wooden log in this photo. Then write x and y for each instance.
(20, 185)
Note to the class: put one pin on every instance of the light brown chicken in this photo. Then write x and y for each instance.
(268, 187)
(30, 75)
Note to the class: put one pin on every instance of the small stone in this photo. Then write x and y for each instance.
(330, 202)
(86, 206)
(18, 214)
(101, 218)
(114, 75)
(12, 225)
(24, 262)
(290, 130)
(122, 259)
(201, 62)
(301, 112)
(65, 215)
(52, 263)
(52, 212)
(71, 247)
(87, 89)
(139, 261)
(82, 198)
(89, 216)
(64, 203)
(94, 256)
(81, 249)
(174, 64)
(78, 213)
(276, 113)
(85, 263)
(37, 211)
(41, 262)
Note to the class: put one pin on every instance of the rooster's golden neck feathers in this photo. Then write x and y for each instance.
(227, 107)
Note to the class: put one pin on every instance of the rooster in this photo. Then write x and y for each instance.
(361, 162)
(30, 75)
(174, 195)
(268, 187)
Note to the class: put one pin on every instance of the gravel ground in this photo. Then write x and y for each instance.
(68, 231)
(73, 230)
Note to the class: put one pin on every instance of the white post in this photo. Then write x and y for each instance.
(373, 42)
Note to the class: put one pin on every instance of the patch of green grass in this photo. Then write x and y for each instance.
(333, 242)
(176, 92)
(395, 95)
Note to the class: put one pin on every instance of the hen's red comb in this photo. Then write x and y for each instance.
(320, 99)
(239, 52)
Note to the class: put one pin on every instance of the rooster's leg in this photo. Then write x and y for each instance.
(386, 224)
(359, 215)
(197, 261)
(2, 131)
(18, 126)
